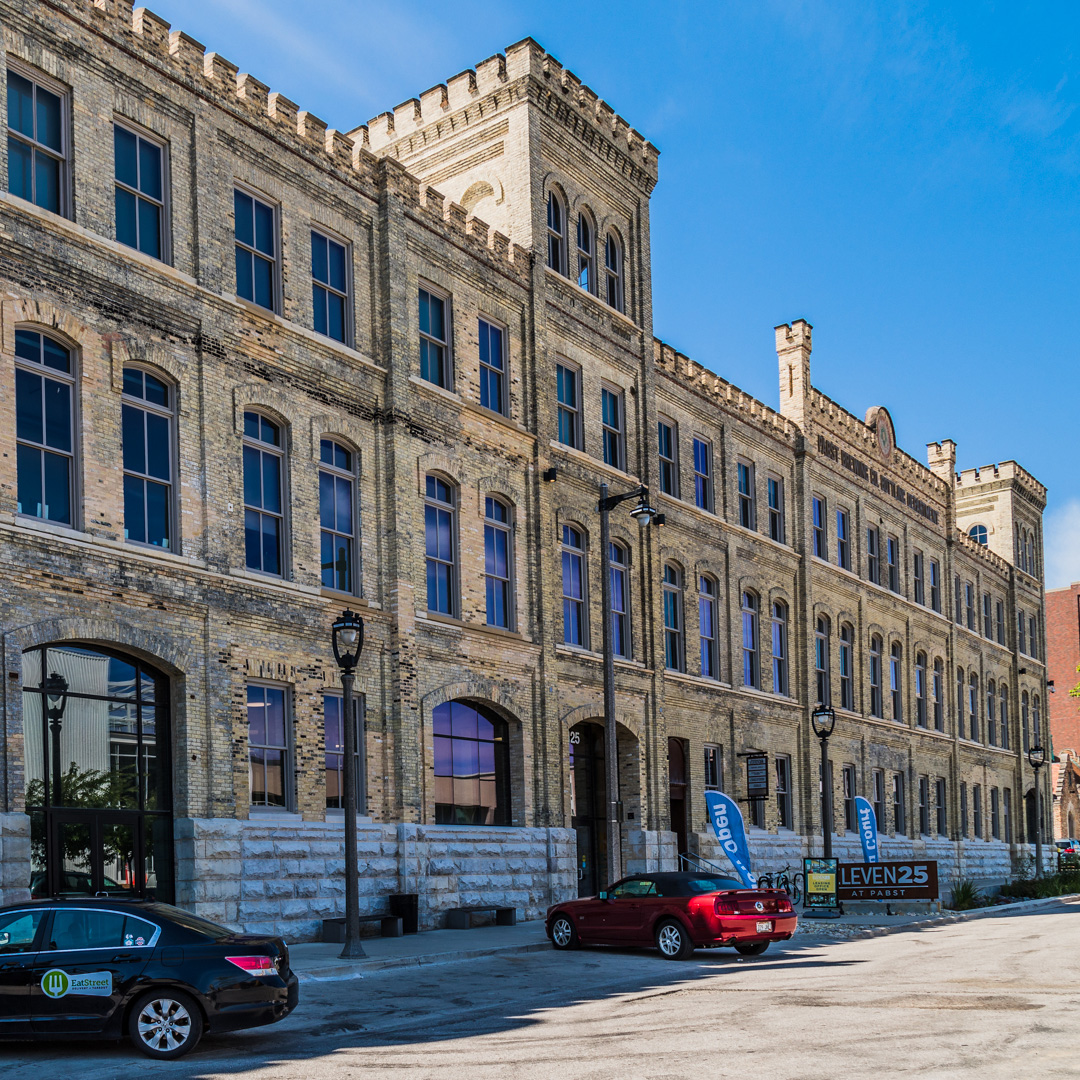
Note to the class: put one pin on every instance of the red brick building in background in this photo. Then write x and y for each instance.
(1062, 660)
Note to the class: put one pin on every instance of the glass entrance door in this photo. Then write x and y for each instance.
(97, 854)
(588, 798)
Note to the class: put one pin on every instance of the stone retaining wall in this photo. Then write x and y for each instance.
(14, 858)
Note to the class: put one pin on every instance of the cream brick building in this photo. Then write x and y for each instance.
(253, 370)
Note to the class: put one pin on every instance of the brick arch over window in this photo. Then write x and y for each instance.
(441, 464)
(46, 317)
(258, 397)
(151, 355)
(344, 429)
(502, 485)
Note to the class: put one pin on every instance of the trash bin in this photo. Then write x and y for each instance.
(407, 906)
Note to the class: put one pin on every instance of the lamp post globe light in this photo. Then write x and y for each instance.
(56, 691)
(348, 642)
(643, 514)
(823, 720)
(1037, 759)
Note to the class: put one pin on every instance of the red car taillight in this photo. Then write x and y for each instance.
(784, 904)
(254, 965)
(725, 906)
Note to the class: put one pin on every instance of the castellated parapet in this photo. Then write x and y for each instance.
(970, 481)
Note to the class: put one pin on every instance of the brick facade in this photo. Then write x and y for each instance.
(416, 197)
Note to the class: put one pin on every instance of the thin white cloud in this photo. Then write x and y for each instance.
(1062, 543)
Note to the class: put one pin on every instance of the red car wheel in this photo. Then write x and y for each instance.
(673, 941)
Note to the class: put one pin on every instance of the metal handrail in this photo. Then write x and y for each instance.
(688, 860)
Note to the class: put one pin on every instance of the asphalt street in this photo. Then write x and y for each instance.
(994, 997)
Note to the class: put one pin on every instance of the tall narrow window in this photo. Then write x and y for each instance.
(268, 747)
(999, 622)
(329, 286)
(434, 340)
(873, 555)
(917, 577)
(878, 778)
(1036, 720)
(924, 805)
(613, 270)
(751, 670)
(780, 648)
(1025, 733)
(497, 562)
(959, 603)
(976, 811)
(614, 432)
(620, 601)
(568, 393)
(817, 521)
(973, 706)
(899, 817)
(712, 767)
(960, 698)
(147, 420)
(896, 682)
(877, 706)
(783, 791)
(256, 250)
(556, 226)
(920, 690)
(776, 509)
(988, 616)
(1006, 809)
(1033, 638)
(264, 503)
(995, 814)
(939, 695)
(666, 450)
(935, 585)
(1021, 636)
(673, 619)
(821, 661)
(963, 811)
(37, 143)
(44, 428)
(440, 541)
(586, 243)
(492, 367)
(337, 516)
(892, 553)
(573, 586)
(1003, 715)
(850, 821)
(334, 749)
(991, 712)
(843, 544)
(969, 605)
(847, 667)
(140, 191)
(747, 509)
(703, 485)
(707, 627)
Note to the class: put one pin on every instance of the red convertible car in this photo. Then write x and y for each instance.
(677, 913)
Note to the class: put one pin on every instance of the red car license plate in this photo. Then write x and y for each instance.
(764, 927)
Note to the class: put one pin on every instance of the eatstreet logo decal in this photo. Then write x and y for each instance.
(57, 984)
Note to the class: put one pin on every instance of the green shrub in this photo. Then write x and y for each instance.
(965, 895)
(1042, 888)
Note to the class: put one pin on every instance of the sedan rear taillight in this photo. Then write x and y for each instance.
(784, 904)
(254, 965)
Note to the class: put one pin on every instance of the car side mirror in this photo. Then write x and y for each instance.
(5, 938)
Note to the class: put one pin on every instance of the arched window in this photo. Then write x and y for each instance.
(613, 272)
(44, 428)
(147, 421)
(573, 586)
(497, 562)
(556, 224)
(920, 689)
(896, 682)
(978, 534)
(780, 679)
(707, 626)
(821, 661)
(847, 667)
(751, 667)
(620, 600)
(674, 651)
(1025, 733)
(1036, 721)
(973, 706)
(939, 695)
(440, 538)
(337, 516)
(1003, 714)
(264, 502)
(472, 765)
(960, 685)
(991, 712)
(586, 252)
(877, 705)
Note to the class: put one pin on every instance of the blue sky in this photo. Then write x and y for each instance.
(904, 175)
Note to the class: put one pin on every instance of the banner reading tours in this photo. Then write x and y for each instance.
(727, 823)
(864, 814)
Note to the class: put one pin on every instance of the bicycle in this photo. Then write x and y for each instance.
(792, 884)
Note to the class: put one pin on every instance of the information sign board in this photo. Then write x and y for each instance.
(757, 776)
(903, 880)
(821, 878)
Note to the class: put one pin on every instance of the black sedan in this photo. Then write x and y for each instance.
(102, 969)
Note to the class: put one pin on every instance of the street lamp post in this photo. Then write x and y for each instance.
(56, 691)
(1037, 759)
(348, 640)
(643, 513)
(823, 720)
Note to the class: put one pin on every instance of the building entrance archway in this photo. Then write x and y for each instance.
(98, 774)
(588, 800)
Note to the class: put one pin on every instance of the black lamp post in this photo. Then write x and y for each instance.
(643, 514)
(56, 692)
(348, 639)
(1037, 759)
(823, 720)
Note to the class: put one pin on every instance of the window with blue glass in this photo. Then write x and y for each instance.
(44, 428)
(703, 485)
(434, 343)
(256, 250)
(264, 509)
(147, 419)
(337, 516)
(36, 142)
(614, 432)
(269, 750)
(472, 765)
(497, 562)
(567, 392)
(620, 601)
(492, 367)
(674, 644)
(573, 586)
(439, 511)
(707, 627)
(330, 286)
(140, 191)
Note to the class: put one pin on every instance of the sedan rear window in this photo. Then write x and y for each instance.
(191, 922)
(85, 928)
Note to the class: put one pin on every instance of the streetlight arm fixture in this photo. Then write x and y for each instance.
(1037, 759)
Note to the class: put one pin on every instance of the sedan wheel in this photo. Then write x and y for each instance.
(756, 949)
(673, 941)
(165, 1024)
(563, 933)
